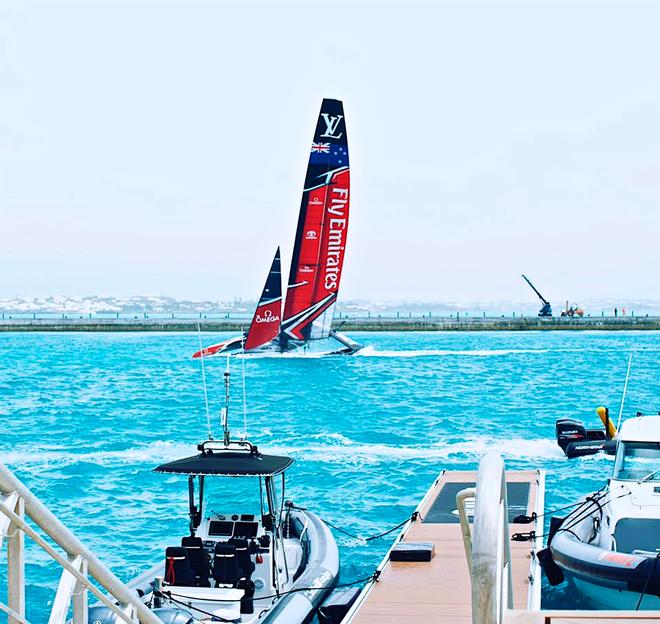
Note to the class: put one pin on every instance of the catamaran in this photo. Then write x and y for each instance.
(318, 257)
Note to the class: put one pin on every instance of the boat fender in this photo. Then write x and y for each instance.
(551, 570)
(555, 523)
(335, 607)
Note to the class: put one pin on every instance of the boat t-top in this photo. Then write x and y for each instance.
(609, 547)
(317, 260)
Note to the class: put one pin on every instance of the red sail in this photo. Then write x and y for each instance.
(265, 324)
(318, 254)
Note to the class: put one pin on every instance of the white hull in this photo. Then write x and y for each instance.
(603, 597)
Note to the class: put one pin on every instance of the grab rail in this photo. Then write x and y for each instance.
(487, 543)
(17, 501)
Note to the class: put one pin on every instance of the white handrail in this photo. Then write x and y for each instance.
(80, 560)
(487, 545)
(461, 498)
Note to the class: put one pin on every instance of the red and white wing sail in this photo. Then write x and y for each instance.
(318, 254)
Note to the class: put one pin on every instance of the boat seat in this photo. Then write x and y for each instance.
(178, 570)
(245, 562)
(198, 558)
(226, 571)
(637, 534)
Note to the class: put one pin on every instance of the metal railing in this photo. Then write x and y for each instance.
(79, 564)
(487, 542)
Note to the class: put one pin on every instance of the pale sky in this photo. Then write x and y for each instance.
(160, 147)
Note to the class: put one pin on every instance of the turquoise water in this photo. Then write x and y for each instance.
(85, 417)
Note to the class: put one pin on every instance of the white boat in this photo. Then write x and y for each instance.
(267, 562)
(274, 564)
(317, 260)
(609, 546)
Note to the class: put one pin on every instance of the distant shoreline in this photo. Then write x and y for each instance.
(372, 324)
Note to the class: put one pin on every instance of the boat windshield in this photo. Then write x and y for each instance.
(637, 460)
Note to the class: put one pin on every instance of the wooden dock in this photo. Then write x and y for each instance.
(439, 591)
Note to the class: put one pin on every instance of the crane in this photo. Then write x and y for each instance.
(545, 310)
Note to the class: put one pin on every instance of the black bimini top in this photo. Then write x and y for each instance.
(229, 463)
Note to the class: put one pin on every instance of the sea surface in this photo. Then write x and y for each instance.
(84, 418)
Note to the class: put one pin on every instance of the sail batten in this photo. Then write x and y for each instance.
(319, 247)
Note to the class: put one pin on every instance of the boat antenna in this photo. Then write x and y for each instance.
(206, 394)
(244, 394)
(625, 389)
(224, 414)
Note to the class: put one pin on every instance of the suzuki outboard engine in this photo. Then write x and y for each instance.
(569, 430)
(576, 440)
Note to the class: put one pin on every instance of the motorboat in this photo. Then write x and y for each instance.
(274, 564)
(609, 546)
(269, 562)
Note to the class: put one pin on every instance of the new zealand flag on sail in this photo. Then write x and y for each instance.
(332, 154)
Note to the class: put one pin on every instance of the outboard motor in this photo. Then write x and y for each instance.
(569, 430)
(576, 440)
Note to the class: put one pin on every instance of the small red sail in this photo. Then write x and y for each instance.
(265, 324)
(318, 253)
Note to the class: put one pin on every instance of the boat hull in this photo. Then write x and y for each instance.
(609, 597)
(609, 579)
(234, 346)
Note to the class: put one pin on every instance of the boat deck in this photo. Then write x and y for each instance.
(438, 591)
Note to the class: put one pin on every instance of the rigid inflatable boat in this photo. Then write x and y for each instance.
(275, 566)
(609, 546)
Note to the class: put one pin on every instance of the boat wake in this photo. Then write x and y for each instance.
(303, 355)
(326, 448)
(372, 352)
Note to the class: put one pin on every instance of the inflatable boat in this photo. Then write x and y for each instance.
(609, 546)
(273, 563)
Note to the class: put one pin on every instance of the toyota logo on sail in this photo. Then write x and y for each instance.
(268, 317)
(311, 235)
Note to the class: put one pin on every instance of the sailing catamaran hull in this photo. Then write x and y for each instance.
(234, 346)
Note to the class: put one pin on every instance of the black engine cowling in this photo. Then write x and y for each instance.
(569, 430)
